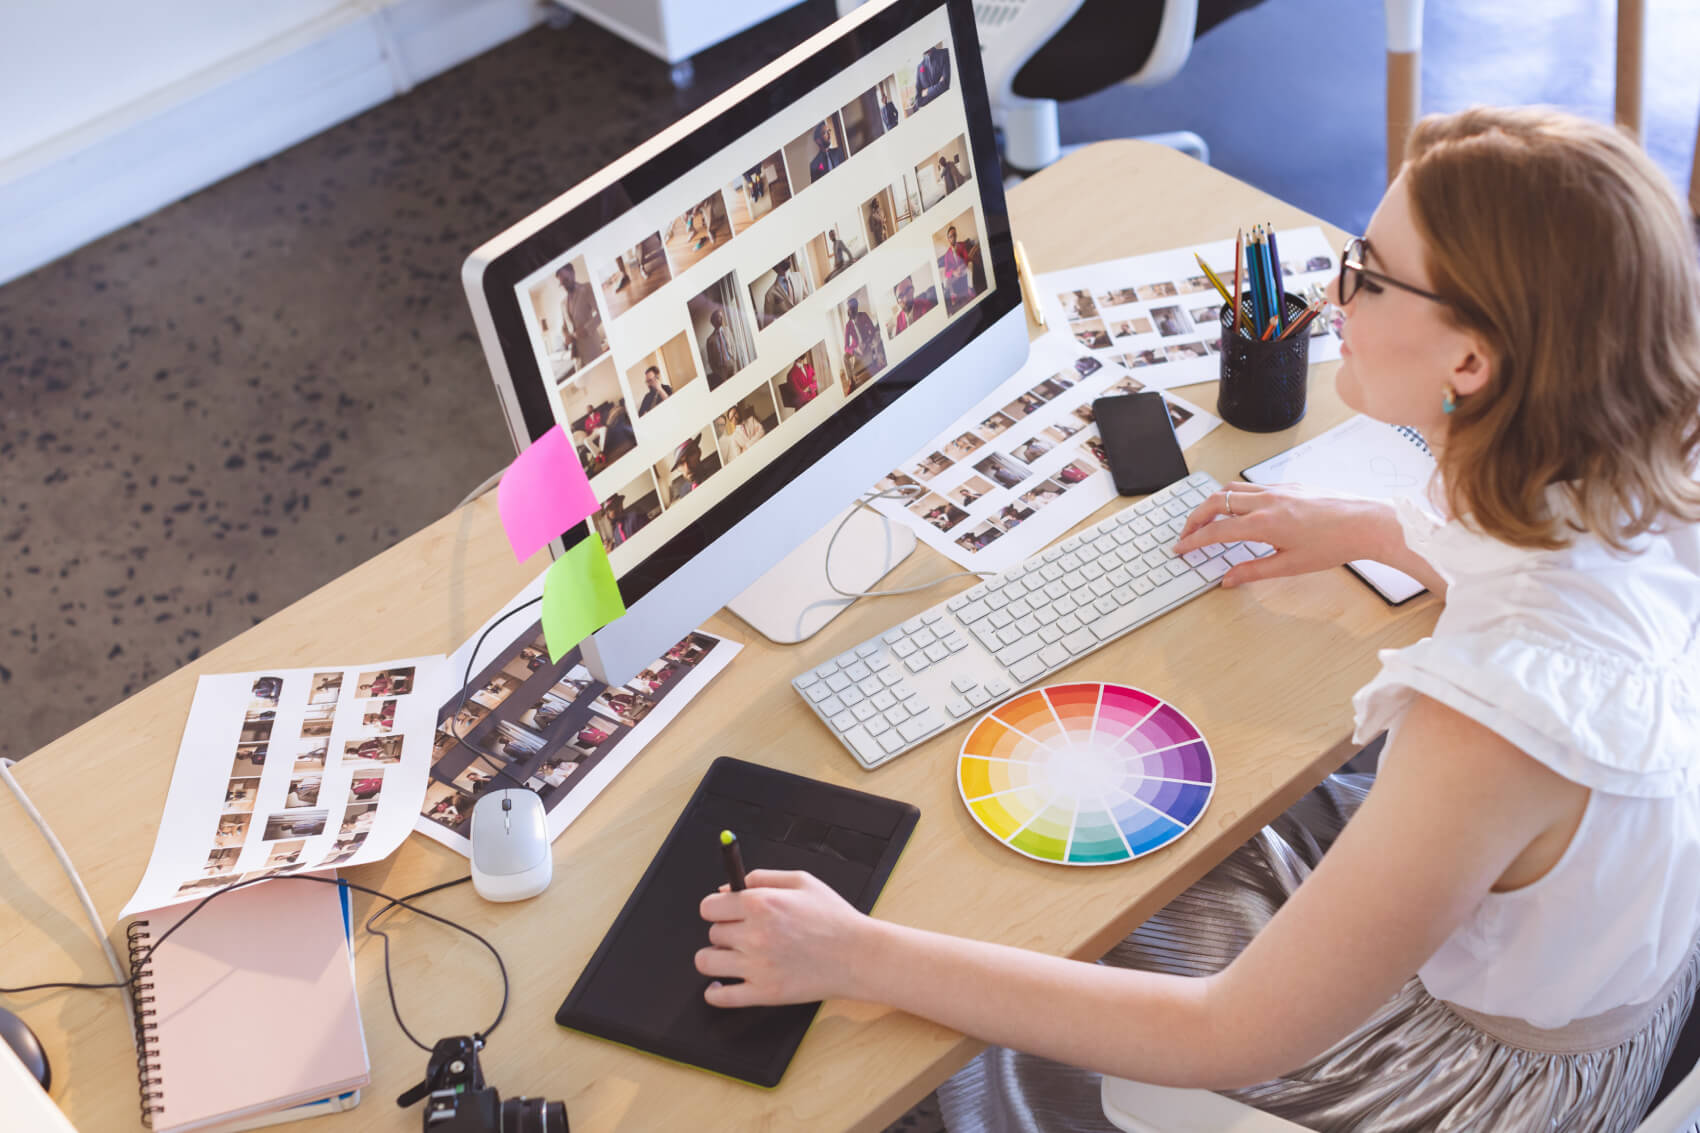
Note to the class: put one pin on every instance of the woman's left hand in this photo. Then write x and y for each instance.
(789, 936)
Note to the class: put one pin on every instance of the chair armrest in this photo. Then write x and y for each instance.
(1140, 1108)
(1173, 47)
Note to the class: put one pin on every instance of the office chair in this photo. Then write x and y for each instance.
(1139, 1108)
(1040, 52)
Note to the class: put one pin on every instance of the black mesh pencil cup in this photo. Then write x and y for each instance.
(1263, 383)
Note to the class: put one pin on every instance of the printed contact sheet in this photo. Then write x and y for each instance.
(288, 770)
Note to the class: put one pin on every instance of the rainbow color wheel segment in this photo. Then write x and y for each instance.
(1085, 774)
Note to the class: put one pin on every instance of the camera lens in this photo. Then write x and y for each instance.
(533, 1115)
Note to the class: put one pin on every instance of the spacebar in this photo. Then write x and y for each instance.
(1121, 620)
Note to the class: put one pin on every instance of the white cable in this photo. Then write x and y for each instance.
(494, 479)
(76, 883)
(862, 502)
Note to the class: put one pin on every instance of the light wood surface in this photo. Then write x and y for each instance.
(1266, 672)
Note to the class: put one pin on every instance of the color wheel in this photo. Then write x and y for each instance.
(1085, 774)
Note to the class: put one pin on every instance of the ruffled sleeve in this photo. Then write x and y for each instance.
(1611, 722)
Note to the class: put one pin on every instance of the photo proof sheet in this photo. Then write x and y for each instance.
(1158, 314)
(527, 722)
(1026, 464)
(288, 770)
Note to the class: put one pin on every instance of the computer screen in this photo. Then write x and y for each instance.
(713, 316)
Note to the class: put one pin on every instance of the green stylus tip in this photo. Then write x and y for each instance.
(727, 837)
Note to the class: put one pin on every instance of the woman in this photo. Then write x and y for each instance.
(742, 430)
(1530, 969)
(801, 379)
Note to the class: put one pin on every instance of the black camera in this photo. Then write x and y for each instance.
(457, 1101)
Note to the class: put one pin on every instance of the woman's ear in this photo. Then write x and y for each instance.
(1475, 370)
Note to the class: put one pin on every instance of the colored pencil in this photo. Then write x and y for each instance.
(1240, 242)
(1215, 281)
(1269, 332)
(1280, 291)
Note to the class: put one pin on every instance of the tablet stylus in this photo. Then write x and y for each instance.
(732, 859)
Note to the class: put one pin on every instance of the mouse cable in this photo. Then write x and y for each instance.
(76, 883)
(449, 725)
(862, 502)
(142, 956)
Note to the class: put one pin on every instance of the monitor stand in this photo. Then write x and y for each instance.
(792, 601)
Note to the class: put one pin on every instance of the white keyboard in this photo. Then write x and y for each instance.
(896, 690)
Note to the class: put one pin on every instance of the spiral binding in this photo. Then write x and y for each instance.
(147, 1039)
(1414, 437)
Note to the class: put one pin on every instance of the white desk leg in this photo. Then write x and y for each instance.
(1631, 49)
(1404, 76)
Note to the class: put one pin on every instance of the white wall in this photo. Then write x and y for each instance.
(111, 109)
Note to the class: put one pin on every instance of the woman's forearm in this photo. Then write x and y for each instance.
(1155, 1028)
(1389, 546)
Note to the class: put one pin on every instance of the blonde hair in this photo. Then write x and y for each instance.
(1566, 250)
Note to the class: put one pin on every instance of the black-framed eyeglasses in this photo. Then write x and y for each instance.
(1354, 275)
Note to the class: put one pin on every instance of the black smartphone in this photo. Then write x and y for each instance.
(1139, 441)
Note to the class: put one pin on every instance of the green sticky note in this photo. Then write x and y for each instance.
(580, 596)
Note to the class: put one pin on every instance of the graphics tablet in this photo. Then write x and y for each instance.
(642, 989)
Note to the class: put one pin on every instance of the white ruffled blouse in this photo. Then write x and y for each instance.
(1587, 660)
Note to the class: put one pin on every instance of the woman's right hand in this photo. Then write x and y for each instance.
(1309, 530)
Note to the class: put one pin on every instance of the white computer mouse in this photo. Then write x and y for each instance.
(510, 846)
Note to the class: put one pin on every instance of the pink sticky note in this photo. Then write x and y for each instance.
(543, 492)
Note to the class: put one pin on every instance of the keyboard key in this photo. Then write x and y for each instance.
(818, 692)
(891, 676)
(1050, 633)
(1079, 642)
(1155, 559)
(1140, 524)
(913, 625)
(1054, 655)
(897, 713)
(1191, 497)
(1018, 609)
(920, 726)
(979, 696)
(844, 721)
(905, 690)
(1125, 535)
(838, 682)
(1050, 572)
(1065, 606)
(936, 652)
(925, 638)
(1028, 624)
(1260, 549)
(972, 613)
(870, 686)
(956, 603)
(830, 707)
(1175, 508)
(904, 648)
(857, 671)
(864, 711)
(1101, 587)
(958, 707)
(1069, 562)
(997, 687)
(1026, 647)
(963, 684)
(877, 725)
(955, 642)
(1143, 585)
(866, 747)
(1119, 577)
(932, 617)
(891, 742)
(1194, 557)
(883, 700)
(879, 662)
(996, 601)
(919, 663)
(852, 696)
(1213, 569)
(1091, 572)
(892, 636)
(1069, 623)
(1104, 605)
(867, 649)
(807, 679)
(1053, 554)
(987, 637)
(1025, 671)
(1145, 543)
(1238, 554)
(1045, 615)
(1009, 635)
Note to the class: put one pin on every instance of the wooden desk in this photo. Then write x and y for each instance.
(1267, 673)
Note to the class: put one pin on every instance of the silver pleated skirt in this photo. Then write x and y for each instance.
(1416, 1064)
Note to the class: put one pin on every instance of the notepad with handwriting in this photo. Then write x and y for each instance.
(1359, 457)
(248, 1008)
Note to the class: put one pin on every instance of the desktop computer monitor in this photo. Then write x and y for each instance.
(749, 320)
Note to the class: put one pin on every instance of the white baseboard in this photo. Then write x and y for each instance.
(90, 189)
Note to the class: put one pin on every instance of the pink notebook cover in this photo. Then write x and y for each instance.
(254, 1006)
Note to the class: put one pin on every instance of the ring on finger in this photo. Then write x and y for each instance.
(1228, 502)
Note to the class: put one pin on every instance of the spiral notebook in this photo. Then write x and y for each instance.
(248, 1010)
(1359, 457)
